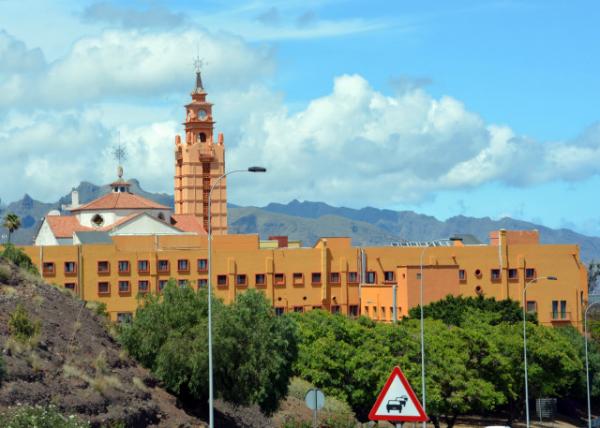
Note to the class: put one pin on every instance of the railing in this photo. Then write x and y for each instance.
(560, 316)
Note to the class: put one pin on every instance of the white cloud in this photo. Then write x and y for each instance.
(124, 64)
(152, 16)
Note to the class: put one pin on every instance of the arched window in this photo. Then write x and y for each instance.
(202, 137)
(161, 216)
(98, 220)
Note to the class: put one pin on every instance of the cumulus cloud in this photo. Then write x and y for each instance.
(152, 17)
(122, 64)
(358, 146)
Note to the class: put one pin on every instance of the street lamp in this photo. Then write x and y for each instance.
(210, 369)
(527, 284)
(422, 334)
(587, 364)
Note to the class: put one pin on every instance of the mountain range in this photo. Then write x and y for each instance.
(307, 221)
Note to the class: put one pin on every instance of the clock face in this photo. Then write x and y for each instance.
(202, 114)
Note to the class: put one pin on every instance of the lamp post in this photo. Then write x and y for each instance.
(423, 394)
(549, 278)
(587, 364)
(210, 369)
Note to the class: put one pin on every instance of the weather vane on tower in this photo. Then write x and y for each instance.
(119, 154)
(198, 64)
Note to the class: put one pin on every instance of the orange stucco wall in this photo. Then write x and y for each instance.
(333, 259)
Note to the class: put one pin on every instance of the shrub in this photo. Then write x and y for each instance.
(39, 417)
(21, 327)
(19, 258)
(99, 308)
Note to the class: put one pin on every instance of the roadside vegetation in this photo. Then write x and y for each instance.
(474, 348)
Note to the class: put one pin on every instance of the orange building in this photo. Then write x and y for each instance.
(332, 275)
(382, 283)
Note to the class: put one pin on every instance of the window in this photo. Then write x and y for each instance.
(163, 266)
(124, 287)
(279, 311)
(529, 273)
(70, 268)
(143, 266)
(316, 307)
(162, 283)
(222, 280)
(495, 274)
(334, 277)
(183, 265)
(298, 278)
(123, 266)
(260, 279)
(48, 268)
(279, 279)
(202, 283)
(462, 276)
(479, 290)
(353, 277)
(124, 317)
(371, 277)
(353, 310)
(97, 220)
(478, 273)
(513, 274)
(366, 310)
(161, 216)
(531, 306)
(182, 283)
(202, 137)
(70, 286)
(419, 275)
(241, 280)
(103, 267)
(559, 309)
(388, 276)
(298, 309)
(202, 265)
(374, 311)
(143, 286)
(315, 278)
(103, 288)
(383, 312)
(335, 309)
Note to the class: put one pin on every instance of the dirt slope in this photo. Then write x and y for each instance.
(74, 363)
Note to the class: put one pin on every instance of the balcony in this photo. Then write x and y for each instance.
(560, 316)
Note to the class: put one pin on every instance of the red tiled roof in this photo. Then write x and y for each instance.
(120, 200)
(64, 226)
(188, 223)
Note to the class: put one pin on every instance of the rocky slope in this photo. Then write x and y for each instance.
(73, 363)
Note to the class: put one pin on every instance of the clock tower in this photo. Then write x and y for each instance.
(199, 161)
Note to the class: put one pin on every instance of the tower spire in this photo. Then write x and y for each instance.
(198, 63)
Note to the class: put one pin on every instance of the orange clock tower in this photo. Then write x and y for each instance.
(199, 161)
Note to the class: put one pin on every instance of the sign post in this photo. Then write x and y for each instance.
(315, 400)
(397, 403)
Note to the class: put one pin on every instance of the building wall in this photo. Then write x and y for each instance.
(45, 235)
(332, 260)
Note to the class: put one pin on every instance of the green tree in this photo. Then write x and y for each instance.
(253, 348)
(453, 310)
(593, 275)
(12, 222)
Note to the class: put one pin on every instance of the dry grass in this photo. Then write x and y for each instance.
(102, 383)
(139, 384)
(35, 362)
(38, 300)
(101, 365)
(8, 290)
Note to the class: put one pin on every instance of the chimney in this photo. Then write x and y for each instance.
(74, 198)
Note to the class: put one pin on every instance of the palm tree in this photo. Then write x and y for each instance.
(12, 222)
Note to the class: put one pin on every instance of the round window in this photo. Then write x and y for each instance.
(161, 216)
(477, 272)
(98, 220)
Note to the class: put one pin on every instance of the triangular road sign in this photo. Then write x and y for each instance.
(397, 401)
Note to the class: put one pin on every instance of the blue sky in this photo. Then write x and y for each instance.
(481, 108)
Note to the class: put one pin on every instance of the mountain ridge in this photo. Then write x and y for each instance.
(307, 221)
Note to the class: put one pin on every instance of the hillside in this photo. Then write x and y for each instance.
(73, 363)
(306, 221)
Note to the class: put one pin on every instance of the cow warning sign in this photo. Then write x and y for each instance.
(397, 402)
